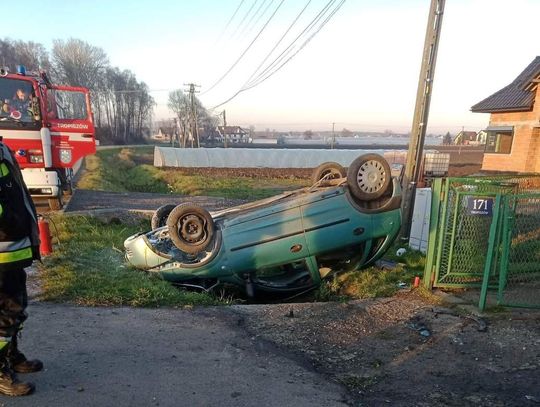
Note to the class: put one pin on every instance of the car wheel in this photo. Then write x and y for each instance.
(191, 228)
(159, 218)
(330, 170)
(368, 177)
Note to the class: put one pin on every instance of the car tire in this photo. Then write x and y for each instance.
(159, 218)
(334, 169)
(191, 228)
(368, 177)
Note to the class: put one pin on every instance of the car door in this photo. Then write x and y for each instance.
(264, 237)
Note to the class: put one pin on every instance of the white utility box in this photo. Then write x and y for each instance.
(419, 236)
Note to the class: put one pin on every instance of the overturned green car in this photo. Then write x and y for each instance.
(287, 243)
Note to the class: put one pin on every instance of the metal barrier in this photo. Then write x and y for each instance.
(485, 232)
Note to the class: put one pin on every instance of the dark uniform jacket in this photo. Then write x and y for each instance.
(19, 235)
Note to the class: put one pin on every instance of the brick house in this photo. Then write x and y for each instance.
(513, 135)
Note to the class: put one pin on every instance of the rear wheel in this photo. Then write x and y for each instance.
(159, 218)
(55, 204)
(67, 182)
(368, 177)
(191, 228)
(328, 170)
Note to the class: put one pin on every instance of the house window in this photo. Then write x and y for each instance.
(499, 140)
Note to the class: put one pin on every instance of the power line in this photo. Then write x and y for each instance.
(260, 78)
(279, 41)
(232, 18)
(284, 53)
(132, 91)
(244, 18)
(243, 88)
(249, 27)
(301, 47)
(246, 50)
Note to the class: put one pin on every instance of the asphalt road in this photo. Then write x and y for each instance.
(161, 357)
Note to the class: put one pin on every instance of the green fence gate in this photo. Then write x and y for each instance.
(485, 233)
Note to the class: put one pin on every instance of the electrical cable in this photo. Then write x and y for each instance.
(260, 78)
(271, 51)
(301, 47)
(255, 15)
(291, 46)
(244, 18)
(250, 29)
(231, 19)
(279, 41)
(245, 51)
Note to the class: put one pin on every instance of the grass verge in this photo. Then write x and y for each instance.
(131, 170)
(88, 268)
(374, 281)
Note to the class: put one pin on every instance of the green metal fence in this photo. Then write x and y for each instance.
(485, 232)
(519, 269)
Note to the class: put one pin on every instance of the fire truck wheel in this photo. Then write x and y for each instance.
(55, 204)
(69, 190)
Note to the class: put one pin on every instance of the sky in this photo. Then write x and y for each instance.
(360, 71)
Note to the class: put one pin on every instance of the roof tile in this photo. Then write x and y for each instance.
(512, 97)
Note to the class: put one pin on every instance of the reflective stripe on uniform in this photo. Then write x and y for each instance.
(16, 251)
(4, 341)
(4, 169)
(11, 246)
(17, 255)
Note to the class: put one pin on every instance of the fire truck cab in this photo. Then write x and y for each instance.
(50, 128)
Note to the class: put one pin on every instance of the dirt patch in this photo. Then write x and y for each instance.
(402, 351)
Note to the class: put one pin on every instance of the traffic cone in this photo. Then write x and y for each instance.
(45, 244)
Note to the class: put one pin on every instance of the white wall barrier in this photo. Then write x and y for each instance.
(261, 157)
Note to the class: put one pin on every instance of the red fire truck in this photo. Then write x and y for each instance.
(50, 128)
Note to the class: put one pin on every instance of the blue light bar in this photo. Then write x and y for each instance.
(21, 70)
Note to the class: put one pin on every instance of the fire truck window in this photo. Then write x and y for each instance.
(16, 100)
(67, 105)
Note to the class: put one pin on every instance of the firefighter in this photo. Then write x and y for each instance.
(21, 102)
(19, 246)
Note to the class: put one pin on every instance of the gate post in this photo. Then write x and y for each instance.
(490, 252)
(431, 261)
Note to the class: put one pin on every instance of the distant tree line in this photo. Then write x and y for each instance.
(122, 105)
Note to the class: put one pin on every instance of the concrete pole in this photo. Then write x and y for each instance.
(415, 154)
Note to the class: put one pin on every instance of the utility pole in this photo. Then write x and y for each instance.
(415, 154)
(194, 128)
(333, 135)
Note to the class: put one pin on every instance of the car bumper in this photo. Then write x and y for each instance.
(141, 254)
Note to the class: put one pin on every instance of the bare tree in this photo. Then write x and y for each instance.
(180, 104)
(78, 63)
(32, 55)
(122, 106)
